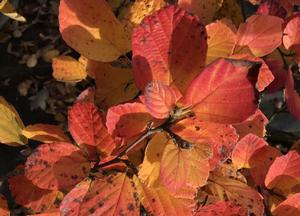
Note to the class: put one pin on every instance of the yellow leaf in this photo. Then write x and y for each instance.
(68, 69)
(11, 125)
(133, 15)
(150, 168)
(114, 83)
(221, 41)
(45, 133)
(8, 10)
(91, 28)
(205, 9)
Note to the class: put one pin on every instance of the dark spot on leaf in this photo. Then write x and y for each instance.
(130, 207)
(92, 210)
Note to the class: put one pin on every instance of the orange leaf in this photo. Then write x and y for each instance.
(68, 69)
(45, 133)
(25, 193)
(168, 46)
(289, 207)
(284, 173)
(221, 40)
(110, 93)
(4, 211)
(96, 34)
(220, 137)
(158, 201)
(227, 93)
(245, 149)
(87, 128)
(255, 124)
(160, 99)
(237, 192)
(261, 161)
(113, 195)
(291, 96)
(261, 33)
(182, 168)
(224, 208)
(127, 120)
(204, 9)
(56, 166)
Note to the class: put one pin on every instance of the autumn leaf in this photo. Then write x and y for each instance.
(96, 34)
(11, 125)
(127, 120)
(284, 173)
(245, 149)
(150, 168)
(204, 9)
(218, 138)
(265, 75)
(290, 34)
(221, 40)
(88, 130)
(181, 168)
(133, 14)
(110, 93)
(291, 96)
(68, 69)
(255, 124)
(25, 193)
(160, 99)
(45, 133)
(271, 7)
(221, 208)
(70, 206)
(56, 166)
(114, 194)
(261, 33)
(169, 46)
(289, 207)
(7, 9)
(3, 206)
(158, 201)
(237, 192)
(225, 97)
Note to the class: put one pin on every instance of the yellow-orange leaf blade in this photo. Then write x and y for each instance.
(91, 28)
(11, 125)
(68, 69)
(45, 133)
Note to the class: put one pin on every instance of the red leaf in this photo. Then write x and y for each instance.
(169, 46)
(127, 120)
(25, 193)
(284, 173)
(87, 128)
(280, 76)
(272, 7)
(70, 206)
(291, 96)
(289, 207)
(160, 99)
(224, 208)
(291, 33)
(261, 33)
(56, 166)
(224, 92)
